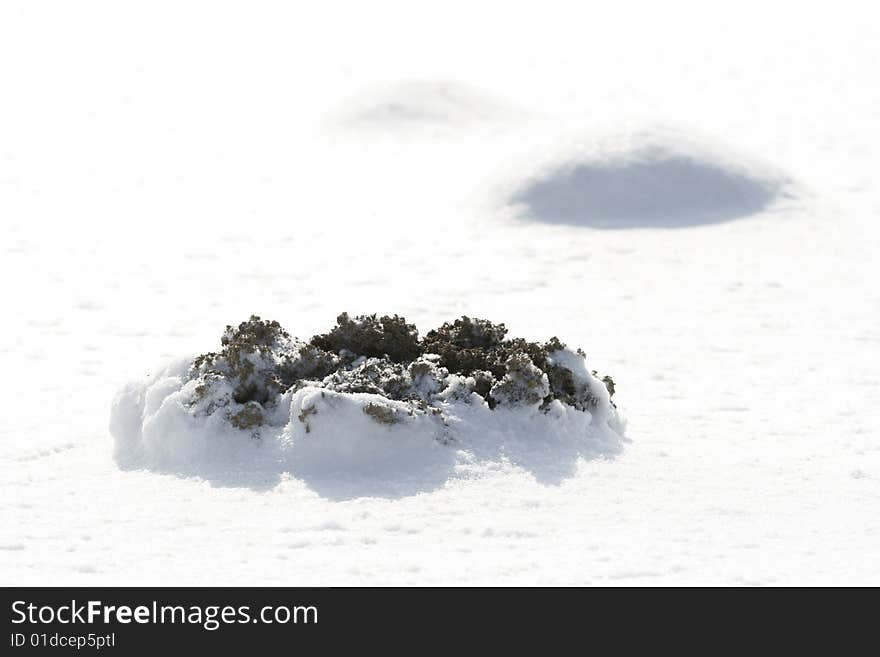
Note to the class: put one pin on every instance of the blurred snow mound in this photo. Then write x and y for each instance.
(420, 104)
(319, 435)
(658, 178)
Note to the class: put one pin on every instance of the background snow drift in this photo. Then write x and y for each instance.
(168, 169)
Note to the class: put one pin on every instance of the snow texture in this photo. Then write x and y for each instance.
(156, 183)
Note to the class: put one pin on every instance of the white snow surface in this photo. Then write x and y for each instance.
(170, 169)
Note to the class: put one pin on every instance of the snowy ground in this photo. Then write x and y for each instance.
(166, 172)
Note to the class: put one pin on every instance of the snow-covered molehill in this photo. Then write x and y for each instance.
(413, 106)
(368, 398)
(655, 178)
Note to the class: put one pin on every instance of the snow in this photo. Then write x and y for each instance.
(317, 433)
(422, 105)
(166, 172)
(660, 178)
